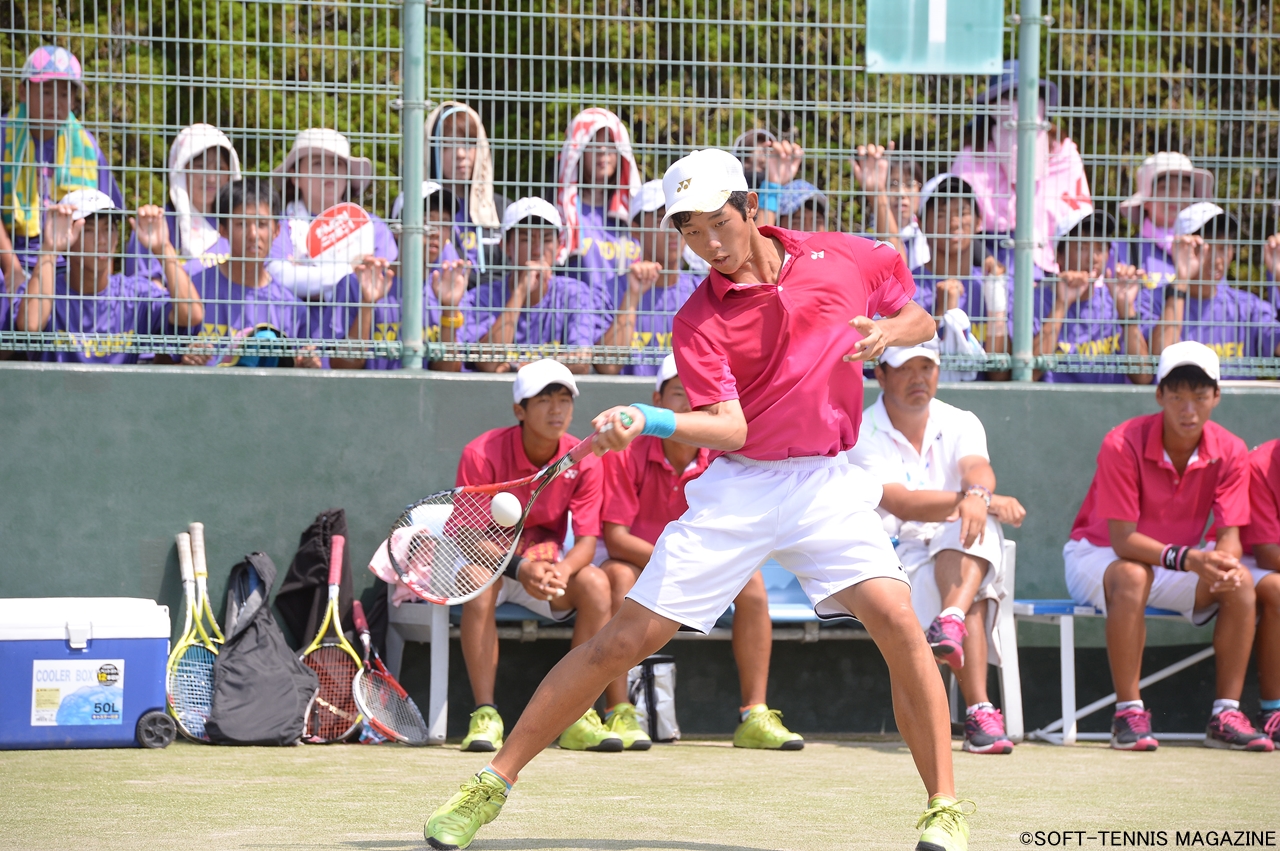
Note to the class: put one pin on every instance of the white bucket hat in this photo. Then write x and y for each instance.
(360, 169)
(1165, 162)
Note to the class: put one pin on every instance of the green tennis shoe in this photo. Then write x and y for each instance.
(946, 825)
(477, 803)
(589, 733)
(484, 731)
(763, 730)
(624, 722)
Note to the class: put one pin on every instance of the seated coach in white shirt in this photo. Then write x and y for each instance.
(940, 506)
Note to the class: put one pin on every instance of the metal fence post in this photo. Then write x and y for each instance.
(414, 69)
(1025, 233)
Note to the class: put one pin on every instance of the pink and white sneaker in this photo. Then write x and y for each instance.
(1131, 730)
(1269, 723)
(984, 731)
(946, 637)
(1230, 729)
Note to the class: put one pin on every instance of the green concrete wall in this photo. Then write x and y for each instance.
(99, 467)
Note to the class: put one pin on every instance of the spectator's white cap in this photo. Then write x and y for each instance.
(531, 206)
(666, 372)
(535, 377)
(1188, 352)
(1193, 218)
(86, 202)
(1165, 162)
(896, 356)
(702, 182)
(1102, 226)
(429, 188)
(324, 140)
(649, 199)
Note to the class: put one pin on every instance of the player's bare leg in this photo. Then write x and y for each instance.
(919, 700)
(1233, 633)
(958, 576)
(752, 640)
(1267, 641)
(622, 577)
(479, 640)
(973, 676)
(1127, 585)
(577, 680)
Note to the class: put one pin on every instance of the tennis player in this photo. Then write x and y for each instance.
(770, 349)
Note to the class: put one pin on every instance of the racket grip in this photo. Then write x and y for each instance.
(337, 544)
(184, 557)
(357, 613)
(196, 531)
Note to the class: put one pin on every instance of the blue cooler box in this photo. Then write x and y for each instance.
(79, 672)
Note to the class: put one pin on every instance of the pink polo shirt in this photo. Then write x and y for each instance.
(643, 491)
(778, 348)
(1264, 497)
(1135, 482)
(498, 456)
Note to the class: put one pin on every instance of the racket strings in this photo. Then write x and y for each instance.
(386, 707)
(449, 546)
(333, 713)
(191, 690)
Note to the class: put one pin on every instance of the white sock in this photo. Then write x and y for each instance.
(952, 612)
(1129, 704)
(1219, 705)
(969, 710)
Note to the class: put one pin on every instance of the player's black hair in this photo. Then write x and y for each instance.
(251, 191)
(952, 187)
(1186, 377)
(553, 387)
(907, 166)
(1221, 226)
(662, 388)
(441, 201)
(1095, 227)
(736, 200)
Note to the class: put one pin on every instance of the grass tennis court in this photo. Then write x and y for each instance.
(697, 795)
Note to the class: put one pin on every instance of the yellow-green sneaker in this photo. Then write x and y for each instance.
(484, 731)
(945, 823)
(623, 721)
(763, 729)
(588, 733)
(477, 803)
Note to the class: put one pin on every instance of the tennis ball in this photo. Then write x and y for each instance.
(505, 509)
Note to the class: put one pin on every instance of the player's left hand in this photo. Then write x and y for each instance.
(972, 514)
(1007, 510)
(618, 436)
(873, 342)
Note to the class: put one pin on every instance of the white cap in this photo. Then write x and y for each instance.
(1065, 225)
(1193, 218)
(702, 182)
(531, 206)
(1165, 162)
(666, 372)
(1188, 352)
(647, 200)
(534, 377)
(895, 356)
(325, 140)
(429, 188)
(86, 202)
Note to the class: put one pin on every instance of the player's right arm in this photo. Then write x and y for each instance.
(721, 426)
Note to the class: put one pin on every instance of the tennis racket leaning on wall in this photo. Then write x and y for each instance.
(333, 715)
(381, 699)
(447, 548)
(189, 674)
(196, 531)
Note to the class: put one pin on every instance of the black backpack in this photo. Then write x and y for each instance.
(261, 690)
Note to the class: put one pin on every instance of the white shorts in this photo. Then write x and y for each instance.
(1258, 573)
(919, 554)
(816, 516)
(511, 591)
(1170, 589)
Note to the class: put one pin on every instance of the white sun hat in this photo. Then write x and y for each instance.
(322, 139)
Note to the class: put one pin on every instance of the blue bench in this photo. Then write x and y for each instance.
(1064, 613)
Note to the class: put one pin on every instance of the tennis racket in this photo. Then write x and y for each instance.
(203, 609)
(333, 714)
(380, 698)
(447, 549)
(189, 673)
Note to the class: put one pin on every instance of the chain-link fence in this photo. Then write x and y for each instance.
(1148, 110)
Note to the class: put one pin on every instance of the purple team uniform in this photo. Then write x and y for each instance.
(564, 316)
(386, 316)
(140, 261)
(970, 300)
(102, 325)
(1089, 328)
(654, 317)
(1234, 323)
(230, 307)
(607, 251)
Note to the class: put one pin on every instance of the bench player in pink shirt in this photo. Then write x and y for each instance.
(1261, 542)
(643, 492)
(1137, 542)
(770, 348)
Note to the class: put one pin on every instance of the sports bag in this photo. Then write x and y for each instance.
(651, 687)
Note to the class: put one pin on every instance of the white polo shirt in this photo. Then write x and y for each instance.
(887, 455)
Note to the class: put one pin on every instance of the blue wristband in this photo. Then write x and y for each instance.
(658, 422)
(768, 193)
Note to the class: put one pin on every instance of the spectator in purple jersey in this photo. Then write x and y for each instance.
(1166, 184)
(1087, 312)
(894, 183)
(531, 310)
(240, 295)
(1199, 305)
(1271, 260)
(202, 160)
(644, 301)
(458, 157)
(951, 281)
(318, 173)
(447, 282)
(92, 309)
(769, 164)
(803, 207)
(46, 154)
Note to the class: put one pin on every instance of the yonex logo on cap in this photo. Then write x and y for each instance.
(684, 184)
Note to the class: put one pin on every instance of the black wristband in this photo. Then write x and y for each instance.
(1182, 557)
(1169, 557)
(513, 566)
